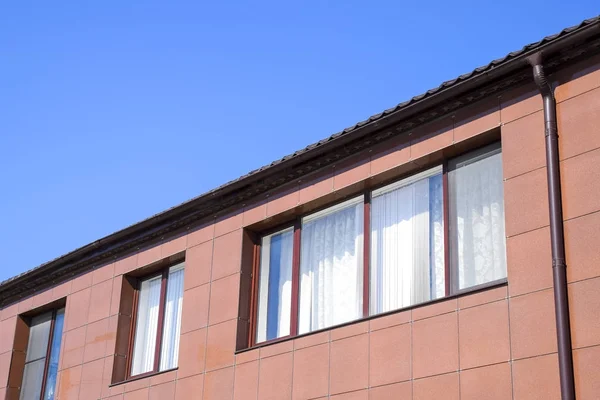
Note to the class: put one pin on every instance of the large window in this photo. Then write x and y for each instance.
(41, 357)
(157, 321)
(430, 235)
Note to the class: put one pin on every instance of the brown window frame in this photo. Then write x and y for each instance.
(164, 274)
(296, 223)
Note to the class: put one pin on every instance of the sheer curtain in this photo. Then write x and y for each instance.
(331, 262)
(407, 242)
(146, 326)
(169, 355)
(35, 358)
(275, 285)
(477, 219)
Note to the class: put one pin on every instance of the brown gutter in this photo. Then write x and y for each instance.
(557, 240)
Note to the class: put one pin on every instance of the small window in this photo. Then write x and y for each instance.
(477, 237)
(157, 319)
(41, 357)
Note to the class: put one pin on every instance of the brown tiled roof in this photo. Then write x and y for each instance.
(90, 255)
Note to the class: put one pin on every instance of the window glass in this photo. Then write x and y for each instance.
(331, 262)
(275, 286)
(407, 242)
(477, 238)
(172, 325)
(146, 326)
(50, 390)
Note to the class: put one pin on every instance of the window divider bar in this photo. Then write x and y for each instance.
(161, 318)
(446, 202)
(295, 278)
(366, 251)
(48, 349)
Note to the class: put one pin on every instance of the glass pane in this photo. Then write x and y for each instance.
(407, 243)
(169, 355)
(33, 375)
(144, 346)
(331, 267)
(275, 286)
(54, 353)
(39, 333)
(478, 244)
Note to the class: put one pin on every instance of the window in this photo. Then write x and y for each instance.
(41, 357)
(157, 319)
(430, 235)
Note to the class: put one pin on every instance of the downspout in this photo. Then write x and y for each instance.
(557, 240)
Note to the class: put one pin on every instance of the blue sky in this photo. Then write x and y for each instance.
(113, 111)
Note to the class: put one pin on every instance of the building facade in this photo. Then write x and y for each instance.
(407, 257)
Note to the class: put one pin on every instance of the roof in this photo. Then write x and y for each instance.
(510, 70)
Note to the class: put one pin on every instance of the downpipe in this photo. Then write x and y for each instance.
(557, 240)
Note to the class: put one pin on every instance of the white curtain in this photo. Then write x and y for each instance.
(275, 286)
(407, 245)
(146, 326)
(331, 263)
(171, 329)
(477, 220)
(35, 358)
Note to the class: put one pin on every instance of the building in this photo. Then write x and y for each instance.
(415, 255)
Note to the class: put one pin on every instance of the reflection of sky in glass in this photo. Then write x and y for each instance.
(54, 353)
(274, 295)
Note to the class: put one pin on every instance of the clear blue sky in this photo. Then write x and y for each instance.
(113, 111)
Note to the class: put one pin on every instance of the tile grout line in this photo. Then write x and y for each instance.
(208, 313)
(510, 357)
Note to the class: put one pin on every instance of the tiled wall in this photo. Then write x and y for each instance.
(496, 344)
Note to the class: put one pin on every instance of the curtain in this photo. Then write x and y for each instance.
(275, 286)
(477, 220)
(35, 358)
(407, 245)
(146, 326)
(171, 330)
(331, 267)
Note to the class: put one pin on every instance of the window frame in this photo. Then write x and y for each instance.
(446, 164)
(28, 319)
(164, 274)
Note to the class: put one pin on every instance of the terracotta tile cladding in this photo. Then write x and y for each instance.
(275, 377)
(220, 345)
(529, 261)
(536, 378)
(586, 363)
(227, 253)
(187, 388)
(584, 307)
(526, 202)
(523, 136)
(400, 391)
(492, 382)
(311, 372)
(532, 324)
(198, 263)
(580, 179)
(437, 387)
(390, 355)
(349, 364)
(582, 241)
(245, 386)
(194, 314)
(433, 353)
(484, 335)
(224, 299)
(192, 351)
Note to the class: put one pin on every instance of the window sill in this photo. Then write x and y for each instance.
(465, 292)
(142, 376)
